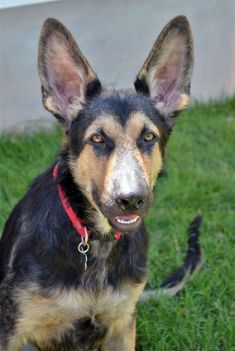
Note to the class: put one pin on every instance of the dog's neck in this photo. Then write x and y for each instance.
(84, 210)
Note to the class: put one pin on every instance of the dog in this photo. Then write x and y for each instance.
(73, 254)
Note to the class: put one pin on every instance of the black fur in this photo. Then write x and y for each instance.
(85, 335)
(93, 88)
(47, 252)
(119, 106)
(46, 242)
(39, 245)
(141, 86)
(193, 257)
(146, 147)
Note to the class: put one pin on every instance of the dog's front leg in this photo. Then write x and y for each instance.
(8, 316)
(121, 339)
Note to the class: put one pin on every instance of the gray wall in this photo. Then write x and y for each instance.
(116, 36)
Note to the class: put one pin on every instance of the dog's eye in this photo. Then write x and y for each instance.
(97, 138)
(149, 136)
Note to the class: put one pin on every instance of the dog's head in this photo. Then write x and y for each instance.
(116, 139)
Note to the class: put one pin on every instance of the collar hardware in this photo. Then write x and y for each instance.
(84, 247)
(77, 223)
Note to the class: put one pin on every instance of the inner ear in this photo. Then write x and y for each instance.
(166, 74)
(66, 76)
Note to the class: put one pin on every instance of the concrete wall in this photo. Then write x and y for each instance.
(5, 4)
(116, 36)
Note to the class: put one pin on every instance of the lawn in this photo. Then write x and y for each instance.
(200, 177)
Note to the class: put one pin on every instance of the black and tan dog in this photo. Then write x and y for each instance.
(74, 250)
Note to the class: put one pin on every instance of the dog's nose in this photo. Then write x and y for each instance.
(130, 202)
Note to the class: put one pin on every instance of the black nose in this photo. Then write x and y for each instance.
(130, 202)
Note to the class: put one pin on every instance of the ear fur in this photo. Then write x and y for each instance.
(166, 73)
(66, 76)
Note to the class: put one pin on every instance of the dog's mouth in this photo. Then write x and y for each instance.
(125, 223)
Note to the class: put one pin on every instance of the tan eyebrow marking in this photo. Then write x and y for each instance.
(136, 123)
(109, 124)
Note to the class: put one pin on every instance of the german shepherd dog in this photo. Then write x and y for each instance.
(73, 255)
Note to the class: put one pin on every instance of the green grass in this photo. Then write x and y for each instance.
(201, 177)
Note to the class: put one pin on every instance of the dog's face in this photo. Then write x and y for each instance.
(116, 139)
(118, 155)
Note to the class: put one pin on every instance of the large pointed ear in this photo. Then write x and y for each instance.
(166, 74)
(67, 78)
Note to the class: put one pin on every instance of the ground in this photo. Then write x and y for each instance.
(200, 176)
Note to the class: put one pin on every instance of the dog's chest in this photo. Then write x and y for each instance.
(93, 302)
(105, 305)
(46, 317)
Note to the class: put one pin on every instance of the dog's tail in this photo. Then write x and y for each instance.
(191, 264)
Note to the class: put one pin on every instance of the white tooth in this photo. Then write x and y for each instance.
(122, 221)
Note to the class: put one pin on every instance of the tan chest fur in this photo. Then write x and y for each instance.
(43, 317)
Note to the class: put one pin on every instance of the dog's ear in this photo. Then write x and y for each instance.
(166, 74)
(67, 78)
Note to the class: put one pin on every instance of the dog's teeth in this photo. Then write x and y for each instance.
(126, 221)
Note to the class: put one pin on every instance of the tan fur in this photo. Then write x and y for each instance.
(136, 123)
(45, 316)
(124, 341)
(101, 223)
(109, 124)
(183, 102)
(90, 169)
(113, 159)
(153, 164)
(156, 163)
(122, 334)
(40, 318)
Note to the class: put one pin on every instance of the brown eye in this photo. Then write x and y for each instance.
(149, 136)
(97, 138)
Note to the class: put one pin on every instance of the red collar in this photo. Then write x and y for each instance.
(77, 223)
